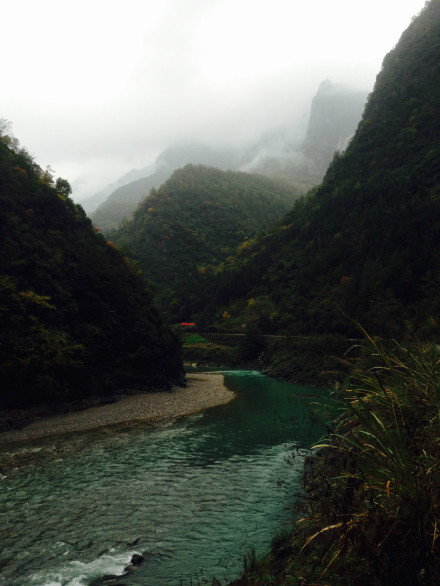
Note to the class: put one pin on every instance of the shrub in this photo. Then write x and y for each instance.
(384, 506)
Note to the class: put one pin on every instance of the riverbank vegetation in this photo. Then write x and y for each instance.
(307, 360)
(371, 514)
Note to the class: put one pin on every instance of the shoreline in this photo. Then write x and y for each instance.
(202, 391)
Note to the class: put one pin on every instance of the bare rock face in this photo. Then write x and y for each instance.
(334, 116)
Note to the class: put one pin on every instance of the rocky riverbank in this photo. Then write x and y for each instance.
(201, 392)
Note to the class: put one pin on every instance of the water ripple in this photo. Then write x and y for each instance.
(193, 496)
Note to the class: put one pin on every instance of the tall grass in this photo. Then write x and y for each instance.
(383, 507)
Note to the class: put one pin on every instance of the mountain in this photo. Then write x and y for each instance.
(199, 217)
(123, 201)
(364, 245)
(90, 204)
(76, 318)
(335, 113)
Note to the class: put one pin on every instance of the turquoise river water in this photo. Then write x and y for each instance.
(194, 496)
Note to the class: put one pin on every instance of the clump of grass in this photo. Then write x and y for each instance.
(383, 507)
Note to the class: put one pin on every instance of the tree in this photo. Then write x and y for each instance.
(63, 187)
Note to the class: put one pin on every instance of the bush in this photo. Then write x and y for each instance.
(384, 506)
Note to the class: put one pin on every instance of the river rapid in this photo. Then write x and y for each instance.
(194, 495)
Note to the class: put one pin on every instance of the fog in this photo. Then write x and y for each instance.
(96, 88)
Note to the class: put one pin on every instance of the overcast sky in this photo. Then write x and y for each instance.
(95, 88)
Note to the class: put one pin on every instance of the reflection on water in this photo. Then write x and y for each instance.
(192, 495)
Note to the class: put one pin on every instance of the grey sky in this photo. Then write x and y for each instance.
(95, 88)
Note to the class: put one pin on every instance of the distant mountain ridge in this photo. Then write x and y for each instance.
(334, 117)
(335, 113)
(91, 203)
(123, 201)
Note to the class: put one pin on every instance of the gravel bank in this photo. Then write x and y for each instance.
(201, 392)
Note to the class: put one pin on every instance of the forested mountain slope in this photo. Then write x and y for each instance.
(75, 316)
(122, 202)
(91, 203)
(365, 244)
(334, 116)
(197, 218)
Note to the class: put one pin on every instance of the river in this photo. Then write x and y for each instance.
(194, 495)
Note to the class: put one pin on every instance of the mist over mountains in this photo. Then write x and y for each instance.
(123, 201)
(335, 113)
(364, 241)
(363, 246)
(359, 247)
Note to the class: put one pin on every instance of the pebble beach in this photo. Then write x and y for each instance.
(202, 391)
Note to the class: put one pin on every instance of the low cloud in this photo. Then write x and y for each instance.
(95, 90)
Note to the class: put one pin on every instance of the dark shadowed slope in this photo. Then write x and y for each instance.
(76, 318)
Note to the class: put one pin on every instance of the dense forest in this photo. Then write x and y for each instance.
(76, 317)
(363, 246)
(199, 217)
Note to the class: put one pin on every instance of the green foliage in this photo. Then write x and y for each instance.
(198, 218)
(35, 356)
(63, 187)
(363, 246)
(212, 355)
(372, 505)
(385, 501)
(76, 318)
